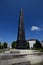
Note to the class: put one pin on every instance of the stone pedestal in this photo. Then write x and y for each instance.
(21, 44)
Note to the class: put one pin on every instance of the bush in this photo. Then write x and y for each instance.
(4, 45)
(13, 45)
(37, 45)
(1, 46)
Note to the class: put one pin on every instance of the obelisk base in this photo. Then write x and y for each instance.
(21, 45)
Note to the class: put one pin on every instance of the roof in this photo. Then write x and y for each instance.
(31, 40)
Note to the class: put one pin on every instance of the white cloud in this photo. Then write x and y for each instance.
(35, 28)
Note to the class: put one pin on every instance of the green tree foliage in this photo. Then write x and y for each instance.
(13, 45)
(5, 45)
(37, 45)
(27, 45)
(1, 46)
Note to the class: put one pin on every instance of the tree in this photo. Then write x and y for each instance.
(1, 46)
(5, 45)
(13, 45)
(27, 45)
(37, 45)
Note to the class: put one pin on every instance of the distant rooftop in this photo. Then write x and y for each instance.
(32, 40)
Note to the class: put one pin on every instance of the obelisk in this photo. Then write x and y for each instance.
(21, 43)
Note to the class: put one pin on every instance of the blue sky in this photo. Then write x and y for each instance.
(9, 18)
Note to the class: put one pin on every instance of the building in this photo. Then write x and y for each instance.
(31, 42)
(42, 43)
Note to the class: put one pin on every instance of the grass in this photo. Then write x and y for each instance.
(41, 50)
(1, 50)
(41, 63)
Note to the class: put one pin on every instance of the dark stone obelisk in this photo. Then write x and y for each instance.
(21, 43)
